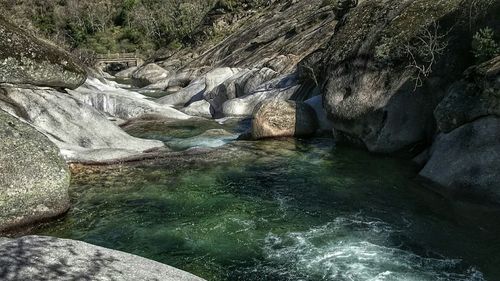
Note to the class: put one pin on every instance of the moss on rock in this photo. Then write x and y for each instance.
(25, 59)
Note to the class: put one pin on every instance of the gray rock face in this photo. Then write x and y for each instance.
(114, 101)
(465, 162)
(27, 60)
(40, 258)
(470, 99)
(281, 118)
(150, 73)
(76, 128)
(281, 88)
(369, 88)
(34, 178)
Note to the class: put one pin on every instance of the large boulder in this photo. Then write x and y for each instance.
(150, 73)
(377, 84)
(465, 156)
(126, 73)
(25, 59)
(240, 84)
(465, 162)
(198, 108)
(34, 178)
(282, 88)
(281, 118)
(40, 258)
(76, 128)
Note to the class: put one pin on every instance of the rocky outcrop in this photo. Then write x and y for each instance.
(238, 85)
(34, 178)
(282, 88)
(76, 128)
(281, 118)
(373, 91)
(465, 156)
(276, 37)
(46, 258)
(109, 98)
(195, 90)
(150, 73)
(25, 59)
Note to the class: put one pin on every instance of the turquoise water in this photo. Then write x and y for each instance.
(282, 210)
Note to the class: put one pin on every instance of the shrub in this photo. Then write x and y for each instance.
(484, 45)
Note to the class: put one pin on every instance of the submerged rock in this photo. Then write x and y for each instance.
(47, 258)
(280, 118)
(25, 59)
(34, 179)
(76, 128)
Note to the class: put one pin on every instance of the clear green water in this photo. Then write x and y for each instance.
(284, 210)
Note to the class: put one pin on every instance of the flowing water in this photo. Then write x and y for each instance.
(283, 210)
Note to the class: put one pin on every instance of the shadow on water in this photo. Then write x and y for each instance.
(293, 210)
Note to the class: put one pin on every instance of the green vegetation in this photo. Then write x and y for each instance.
(484, 45)
(103, 26)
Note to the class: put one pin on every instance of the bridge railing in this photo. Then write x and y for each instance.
(117, 56)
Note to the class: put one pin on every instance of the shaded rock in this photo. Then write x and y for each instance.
(367, 75)
(150, 73)
(47, 258)
(279, 88)
(121, 103)
(34, 179)
(198, 108)
(476, 96)
(316, 103)
(280, 118)
(464, 163)
(127, 73)
(25, 59)
(75, 127)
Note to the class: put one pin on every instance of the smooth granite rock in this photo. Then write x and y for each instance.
(39, 258)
